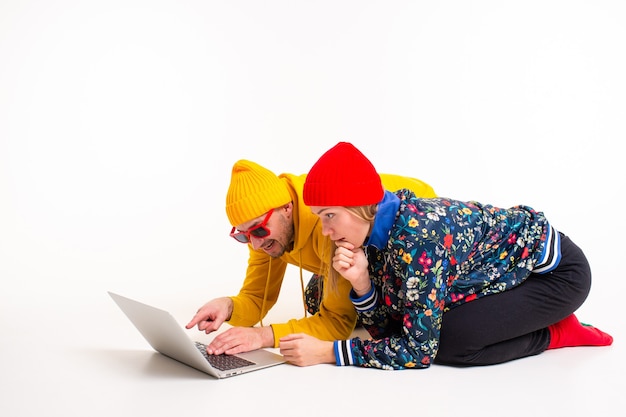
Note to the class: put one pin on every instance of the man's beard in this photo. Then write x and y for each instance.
(285, 248)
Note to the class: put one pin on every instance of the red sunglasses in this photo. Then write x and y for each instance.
(260, 230)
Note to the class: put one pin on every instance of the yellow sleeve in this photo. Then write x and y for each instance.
(393, 182)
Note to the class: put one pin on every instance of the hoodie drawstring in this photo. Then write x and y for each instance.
(267, 281)
(302, 285)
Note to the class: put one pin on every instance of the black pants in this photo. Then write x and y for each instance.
(514, 324)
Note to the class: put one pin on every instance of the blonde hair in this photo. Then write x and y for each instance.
(367, 213)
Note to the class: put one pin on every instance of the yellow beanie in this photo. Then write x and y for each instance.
(253, 191)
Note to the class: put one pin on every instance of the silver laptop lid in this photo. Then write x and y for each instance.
(167, 336)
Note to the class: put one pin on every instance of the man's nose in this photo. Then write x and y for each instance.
(256, 242)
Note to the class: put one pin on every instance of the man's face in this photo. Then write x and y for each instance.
(278, 223)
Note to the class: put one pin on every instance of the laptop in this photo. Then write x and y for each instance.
(167, 337)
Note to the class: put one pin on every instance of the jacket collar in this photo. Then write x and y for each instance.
(384, 220)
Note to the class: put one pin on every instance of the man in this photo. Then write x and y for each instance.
(267, 213)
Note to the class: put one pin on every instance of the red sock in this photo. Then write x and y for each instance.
(570, 332)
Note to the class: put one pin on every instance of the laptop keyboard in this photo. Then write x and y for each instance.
(223, 362)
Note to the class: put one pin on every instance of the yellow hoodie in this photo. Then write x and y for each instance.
(336, 317)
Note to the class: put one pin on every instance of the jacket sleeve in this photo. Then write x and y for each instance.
(408, 331)
(415, 346)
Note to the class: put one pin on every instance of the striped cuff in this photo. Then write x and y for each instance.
(343, 353)
(551, 255)
(366, 302)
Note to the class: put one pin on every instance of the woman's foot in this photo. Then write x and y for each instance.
(570, 332)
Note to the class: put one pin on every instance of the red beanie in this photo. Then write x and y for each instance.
(343, 176)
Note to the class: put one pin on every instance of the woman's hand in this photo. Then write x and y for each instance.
(352, 263)
(303, 350)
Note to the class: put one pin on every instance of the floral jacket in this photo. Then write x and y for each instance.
(428, 255)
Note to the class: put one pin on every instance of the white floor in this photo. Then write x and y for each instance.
(73, 353)
(120, 121)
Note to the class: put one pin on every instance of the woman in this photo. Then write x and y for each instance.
(437, 280)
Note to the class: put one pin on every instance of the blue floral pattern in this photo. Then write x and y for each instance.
(440, 253)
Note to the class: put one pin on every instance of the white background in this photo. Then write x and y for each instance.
(120, 122)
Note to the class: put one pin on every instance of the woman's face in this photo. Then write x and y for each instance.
(341, 225)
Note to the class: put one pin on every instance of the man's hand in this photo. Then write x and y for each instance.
(212, 315)
(241, 339)
(303, 350)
